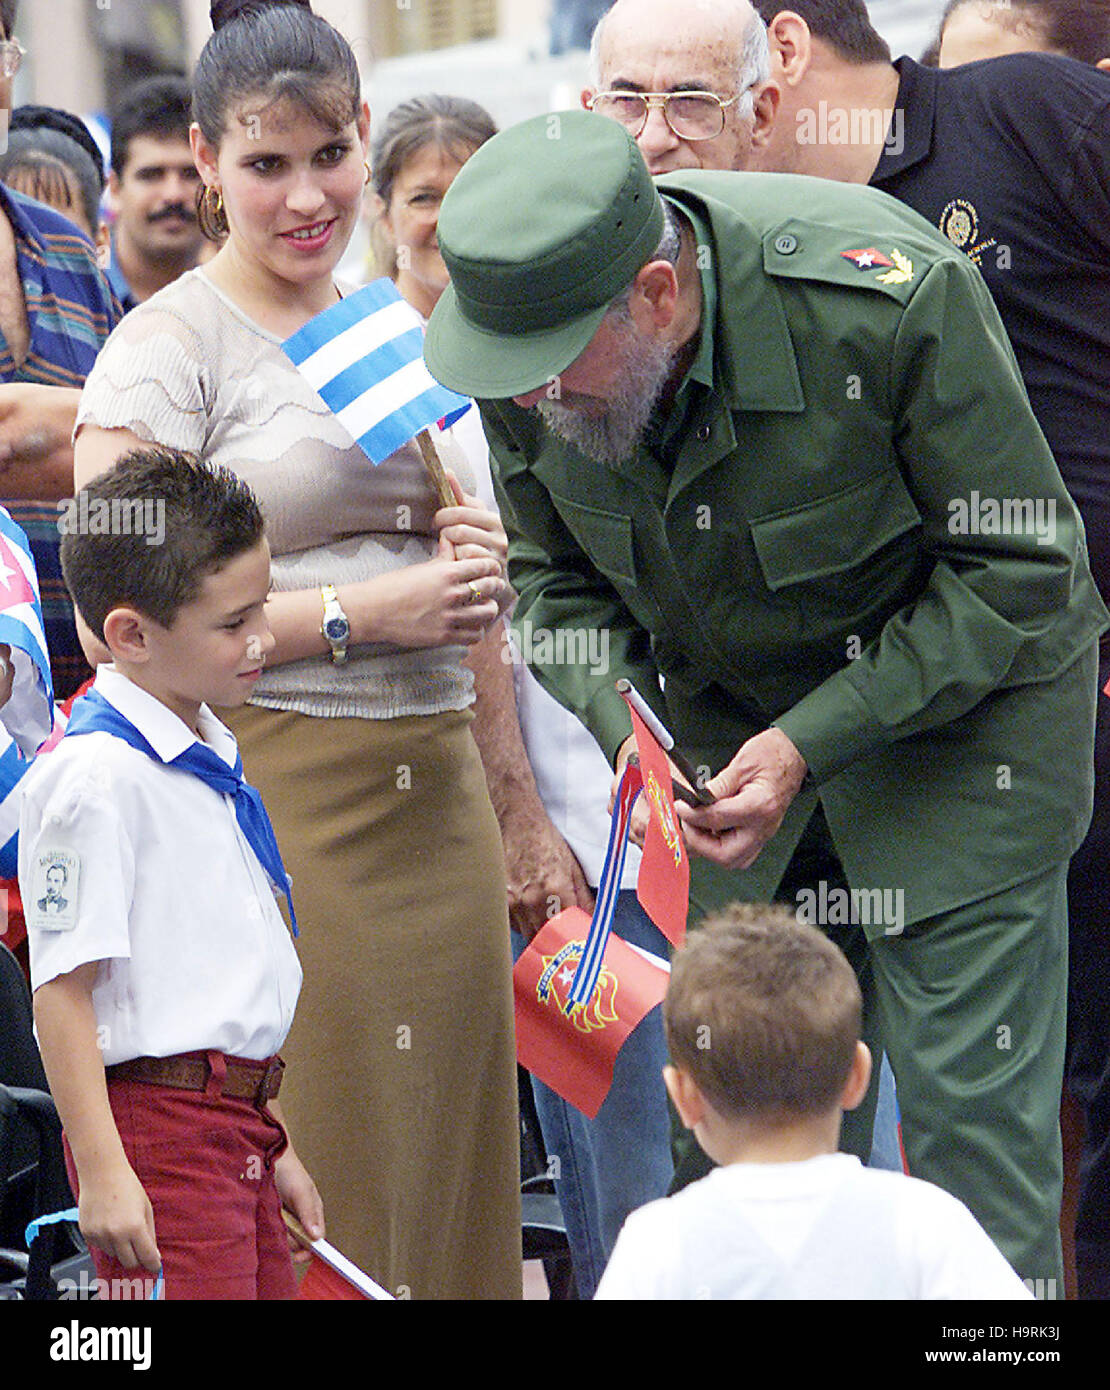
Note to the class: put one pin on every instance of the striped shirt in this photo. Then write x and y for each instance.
(70, 312)
(70, 307)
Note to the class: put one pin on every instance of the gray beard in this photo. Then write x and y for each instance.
(643, 368)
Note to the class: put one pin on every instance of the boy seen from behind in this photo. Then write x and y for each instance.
(165, 979)
(762, 1019)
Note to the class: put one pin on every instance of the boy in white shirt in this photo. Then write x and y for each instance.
(164, 976)
(762, 1018)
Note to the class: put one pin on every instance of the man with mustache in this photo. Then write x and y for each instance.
(153, 189)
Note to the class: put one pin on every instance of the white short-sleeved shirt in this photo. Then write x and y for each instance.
(824, 1228)
(144, 868)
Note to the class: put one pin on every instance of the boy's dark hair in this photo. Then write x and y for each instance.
(159, 107)
(208, 516)
(764, 1014)
(1078, 28)
(844, 25)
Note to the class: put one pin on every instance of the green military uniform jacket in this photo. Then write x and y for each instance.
(849, 526)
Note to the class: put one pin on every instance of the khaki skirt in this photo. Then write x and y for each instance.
(400, 1091)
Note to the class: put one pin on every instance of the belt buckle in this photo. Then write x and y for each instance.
(274, 1068)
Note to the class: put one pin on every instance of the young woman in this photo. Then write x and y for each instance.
(404, 1103)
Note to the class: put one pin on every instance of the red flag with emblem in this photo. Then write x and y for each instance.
(574, 1052)
(663, 886)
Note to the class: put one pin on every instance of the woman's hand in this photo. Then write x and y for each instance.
(470, 529)
(433, 604)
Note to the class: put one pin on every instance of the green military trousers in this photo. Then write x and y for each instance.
(971, 1007)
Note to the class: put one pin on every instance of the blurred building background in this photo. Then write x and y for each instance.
(517, 57)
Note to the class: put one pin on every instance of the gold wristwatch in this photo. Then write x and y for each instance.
(335, 629)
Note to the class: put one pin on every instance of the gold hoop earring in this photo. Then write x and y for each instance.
(369, 176)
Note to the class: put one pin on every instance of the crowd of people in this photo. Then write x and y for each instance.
(755, 342)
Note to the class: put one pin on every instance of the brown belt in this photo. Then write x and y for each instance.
(257, 1082)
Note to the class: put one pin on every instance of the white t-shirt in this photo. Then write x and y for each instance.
(144, 868)
(824, 1228)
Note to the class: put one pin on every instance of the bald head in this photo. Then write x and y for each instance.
(668, 46)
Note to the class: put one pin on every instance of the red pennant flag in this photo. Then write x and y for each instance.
(663, 886)
(321, 1283)
(574, 1053)
(330, 1276)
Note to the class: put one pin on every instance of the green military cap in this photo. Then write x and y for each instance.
(543, 226)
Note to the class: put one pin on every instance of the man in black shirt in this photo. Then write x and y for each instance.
(1010, 158)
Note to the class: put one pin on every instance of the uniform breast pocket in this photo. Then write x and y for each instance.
(606, 537)
(843, 541)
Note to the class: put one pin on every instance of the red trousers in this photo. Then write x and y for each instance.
(206, 1164)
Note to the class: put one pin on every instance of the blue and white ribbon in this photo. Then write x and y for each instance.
(601, 923)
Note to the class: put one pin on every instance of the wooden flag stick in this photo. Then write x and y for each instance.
(436, 471)
(334, 1260)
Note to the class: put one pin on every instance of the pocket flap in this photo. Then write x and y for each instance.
(835, 533)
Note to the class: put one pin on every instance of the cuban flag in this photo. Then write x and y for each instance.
(27, 717)
(365, 358)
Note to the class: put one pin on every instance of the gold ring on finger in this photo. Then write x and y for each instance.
(475, 592)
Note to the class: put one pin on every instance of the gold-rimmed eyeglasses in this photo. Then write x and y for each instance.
(690, 115)
(11, 56)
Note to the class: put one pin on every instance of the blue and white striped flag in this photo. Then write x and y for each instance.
(28, 715)
(365, 358)
(20, 610)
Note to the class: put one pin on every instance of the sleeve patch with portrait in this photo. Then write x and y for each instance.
(55, 883)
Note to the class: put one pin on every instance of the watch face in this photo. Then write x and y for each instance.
(337, 629)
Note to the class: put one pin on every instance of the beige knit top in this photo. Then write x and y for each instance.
(190, 370)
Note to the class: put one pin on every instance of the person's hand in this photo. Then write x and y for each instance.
(641, 812)
(36, 425)
(542, 872)
(431, 604)
(7, 673)
(115, 1215)
(753, 793)
(469, 530)
(299, 1195)
(24, 433)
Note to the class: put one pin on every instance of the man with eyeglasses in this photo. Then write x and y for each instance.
(689, 82)
(1010, 158)
(744, 425)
